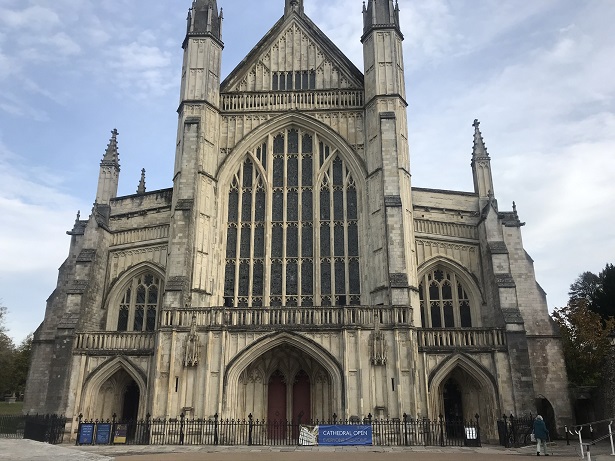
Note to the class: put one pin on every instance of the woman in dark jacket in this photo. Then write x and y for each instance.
(542, 434)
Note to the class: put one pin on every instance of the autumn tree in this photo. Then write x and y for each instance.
(585, 337)
(597, 290)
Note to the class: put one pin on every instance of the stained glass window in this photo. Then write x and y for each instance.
(300, 214)
(448, 307)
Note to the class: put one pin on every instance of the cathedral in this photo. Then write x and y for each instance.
(292, 269)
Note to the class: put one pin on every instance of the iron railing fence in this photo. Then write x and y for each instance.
(42, 428)
(515, 431)
(406, 431)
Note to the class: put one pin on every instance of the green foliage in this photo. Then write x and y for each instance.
(597, 290)
(14, 361)
(585, 337)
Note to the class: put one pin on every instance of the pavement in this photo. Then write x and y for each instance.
(27, 450)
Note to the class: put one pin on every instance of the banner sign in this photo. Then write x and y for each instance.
(86, 434)
(103, 433)
(308, 435)
(345, 435)
(121, 431)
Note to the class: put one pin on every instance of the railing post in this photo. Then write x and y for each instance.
(441, 418)
(477, 416)
(506, 443)
(567, 438)
(181, 428)
(611, 437)
(513, 427)
(79, 428)
(334, 419)
(250, 427)
(405, 429)
(216, 429)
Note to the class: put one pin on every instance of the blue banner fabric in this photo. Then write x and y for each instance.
(103, 434)
(345, 435)
(86, 433)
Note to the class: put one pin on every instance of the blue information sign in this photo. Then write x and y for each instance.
(86, 434)
(345, 435)
(103, 434)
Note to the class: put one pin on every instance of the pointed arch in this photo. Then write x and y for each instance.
(461, 306)
(476, 383)
(312, 256)
(94, 382)
(118, 289)
(326, 133)
(254, 351)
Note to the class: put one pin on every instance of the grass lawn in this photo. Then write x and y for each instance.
(11, 408)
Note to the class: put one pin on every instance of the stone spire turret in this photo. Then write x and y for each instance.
(204, 19)
(293, 6)
(109, 175)
(380, 14)
(141, 187)
(481, 165)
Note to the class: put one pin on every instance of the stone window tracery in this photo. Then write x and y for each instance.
(300, 192)
(444, 300)
(139, 305)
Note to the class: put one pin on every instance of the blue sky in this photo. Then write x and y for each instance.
(538, 74)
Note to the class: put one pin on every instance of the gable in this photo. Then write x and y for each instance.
(294, 55)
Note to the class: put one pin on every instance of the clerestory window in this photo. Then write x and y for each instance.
(297, 80)
(140, 304)
(292, 236)
(444, 300)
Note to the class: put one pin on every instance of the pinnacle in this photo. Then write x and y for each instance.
(479, 150)
(112, 155)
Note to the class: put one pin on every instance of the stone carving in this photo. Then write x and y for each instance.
(378, 345)
(191, 356)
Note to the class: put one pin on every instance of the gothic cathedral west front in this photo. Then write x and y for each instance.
(292, 269)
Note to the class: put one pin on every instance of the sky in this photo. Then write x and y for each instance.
(538, 74)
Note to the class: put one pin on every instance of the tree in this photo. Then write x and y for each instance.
(597, 290)
(6, 355)
(586, 342)
(21, 365)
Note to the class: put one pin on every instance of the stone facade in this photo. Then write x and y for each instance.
(293, 269)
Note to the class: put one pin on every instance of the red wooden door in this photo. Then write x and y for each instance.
(302, 401)
(276, 407)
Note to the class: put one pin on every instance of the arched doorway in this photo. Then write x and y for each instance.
(545, 409)
(453, 407)
(130, 406)
(460, 388)
(119, 395)
(285, 384)
(276, 406)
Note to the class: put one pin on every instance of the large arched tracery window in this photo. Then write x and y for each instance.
(139, 304)
(444, 300)
(292, 236)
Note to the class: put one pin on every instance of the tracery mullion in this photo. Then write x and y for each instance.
(334, 300)
(456, 303)
(268, 224)
(285, 216)
(252, 231)
(133, 304)
(300, 220)
(239, 235)
(427, 294)
(346, 240)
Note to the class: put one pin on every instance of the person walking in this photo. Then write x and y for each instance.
(541, 433)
